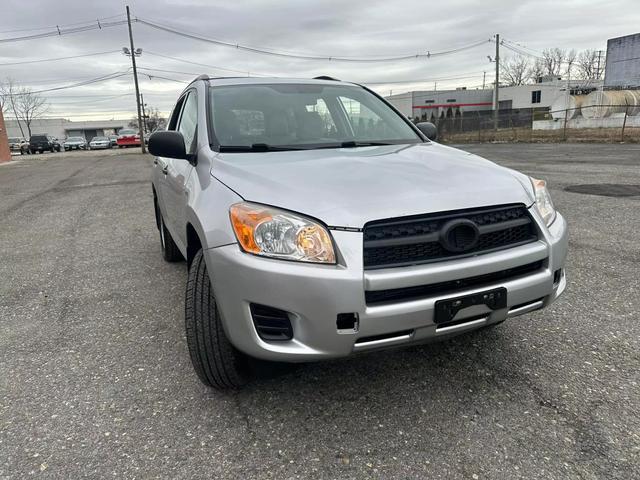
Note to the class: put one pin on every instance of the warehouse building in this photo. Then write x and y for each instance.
(431, 105)
(62, 128)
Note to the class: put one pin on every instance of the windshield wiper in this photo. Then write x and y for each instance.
(257, 147)
(354, 144)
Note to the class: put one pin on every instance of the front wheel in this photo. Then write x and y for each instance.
(218, 363)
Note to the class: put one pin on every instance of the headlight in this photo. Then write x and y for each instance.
(275, 233)
(543, 201)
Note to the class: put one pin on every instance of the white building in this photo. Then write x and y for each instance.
(433, 104)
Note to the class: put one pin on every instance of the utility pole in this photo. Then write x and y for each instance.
(484, 77)
(135, 80)
(568, 96)
(597, 75)
(144, 114)
(496, 99)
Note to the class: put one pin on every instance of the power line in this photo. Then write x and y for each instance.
(62, 31)
(215, 67)
(167, 71)
(62, 25)
(84, 102)
(424, 80)
(154, 76)
(49, 81)
(277, 53)
(42, 60)
(103, 78)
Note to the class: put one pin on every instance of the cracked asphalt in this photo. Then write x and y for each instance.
(95, 377)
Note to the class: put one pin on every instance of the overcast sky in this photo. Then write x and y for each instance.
(357, 28)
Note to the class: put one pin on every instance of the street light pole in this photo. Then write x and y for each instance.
(135, 80)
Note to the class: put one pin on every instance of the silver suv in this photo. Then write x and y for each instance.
(317, 222)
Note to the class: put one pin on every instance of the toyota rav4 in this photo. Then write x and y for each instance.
(317, 222)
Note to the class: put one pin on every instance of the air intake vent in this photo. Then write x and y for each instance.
(272, 324)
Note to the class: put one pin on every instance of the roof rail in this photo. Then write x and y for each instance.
(202, 77)
(326, 77)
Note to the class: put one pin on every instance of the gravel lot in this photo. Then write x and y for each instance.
(95, 378)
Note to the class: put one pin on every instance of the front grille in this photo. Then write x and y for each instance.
(420, 239)
(450, 287)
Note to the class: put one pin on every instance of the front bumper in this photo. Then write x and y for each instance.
(315, 294)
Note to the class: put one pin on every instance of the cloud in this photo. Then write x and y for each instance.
(332, 27)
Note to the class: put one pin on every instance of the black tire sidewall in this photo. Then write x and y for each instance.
(216, 361)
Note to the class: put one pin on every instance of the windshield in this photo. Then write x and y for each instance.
(127, 132)
(75, 139)
(14, 140)
(304, 116)
(99, 139)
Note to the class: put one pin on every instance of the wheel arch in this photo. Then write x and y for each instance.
(156, 207)
(194, 243)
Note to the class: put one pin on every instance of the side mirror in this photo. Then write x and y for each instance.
(168, 144)
(428, 129)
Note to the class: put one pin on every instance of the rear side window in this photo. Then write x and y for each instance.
(187, 125)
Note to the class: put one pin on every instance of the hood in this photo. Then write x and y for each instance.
(349, 187)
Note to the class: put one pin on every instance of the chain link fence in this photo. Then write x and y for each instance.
(592, 123)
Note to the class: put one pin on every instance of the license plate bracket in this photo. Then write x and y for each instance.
(446, 310)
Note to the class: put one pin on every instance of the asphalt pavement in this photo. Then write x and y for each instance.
(96, 381)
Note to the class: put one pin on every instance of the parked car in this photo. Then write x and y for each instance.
(43, 142)
(128, 138)
(97, 143)
(18, 144)
(75, 143)
(310, 234)
(114, 140)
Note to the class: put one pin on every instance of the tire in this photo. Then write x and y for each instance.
(170, 250)
(217, 363)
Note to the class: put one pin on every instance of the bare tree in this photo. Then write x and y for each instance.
(536, 70)
(154, 121)
(29, 106)
(556, 61)
(8, 99)
(589, 65)
(515, 70)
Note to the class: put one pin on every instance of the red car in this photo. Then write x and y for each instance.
(128, 138)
